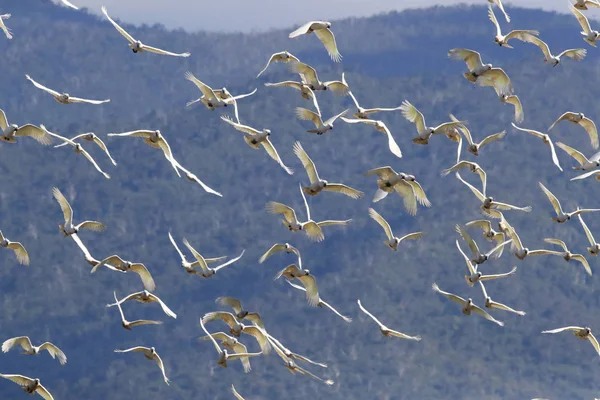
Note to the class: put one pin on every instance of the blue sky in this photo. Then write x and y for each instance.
(264, 14)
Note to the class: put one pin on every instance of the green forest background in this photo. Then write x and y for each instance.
(387, 58)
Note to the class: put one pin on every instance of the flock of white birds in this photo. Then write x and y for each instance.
(242, 321)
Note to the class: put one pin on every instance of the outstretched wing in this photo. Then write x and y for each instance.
(42, 87)
(121, 30)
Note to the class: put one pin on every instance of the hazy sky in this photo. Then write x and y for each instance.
(215, 15)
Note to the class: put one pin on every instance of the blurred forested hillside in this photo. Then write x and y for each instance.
(387, 58)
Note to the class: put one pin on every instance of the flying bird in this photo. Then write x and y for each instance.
(583, 4)
(137, 46)
(30, 349)
(215, 98)
(520, 251)
(311, 79)
(381, 127)
(425, 132)
(308, 281)
(405, 185)
(78, 149)
(473, 60)
(232, 344)
(3, 26)
(589, 35)
(467, 305)
(471, 166)
(305, 90)
(583, 121)
(91, 137)
(575, 54)
(145, 297)
(154, 139)
(207, 271)
(488, 232)
(322, 30)
(320, 126)
(567, 255)
(494, 305)
(151, 354)
(256, 138)
(384, 329)
(316, 183)
(474, 147)
(502, 40)
(364, 113)
(116, 263)
(595, 247)
(311, 228)
(282, 56)
(238, 308)
(498, 79)
(489, 206)
(17, 247)
(546, 139)
(12, 131)
(581, 333)
(562, 216)
(69, 228)
(585, 164)
(478, 256)
(64, 98)
(236, 328)
(474, 275)
(279, 247)
(193, 178)
(515, 101)
(392, 241)
(191, 265)
(29, 385)
(130, 324)
(322, 303)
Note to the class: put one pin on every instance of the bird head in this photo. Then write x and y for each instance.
(587, 330)
(152, 350)
(488, 66)
(267, 132)
(324, 183)
(146, 293)
(479, 274)
(328, 24)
